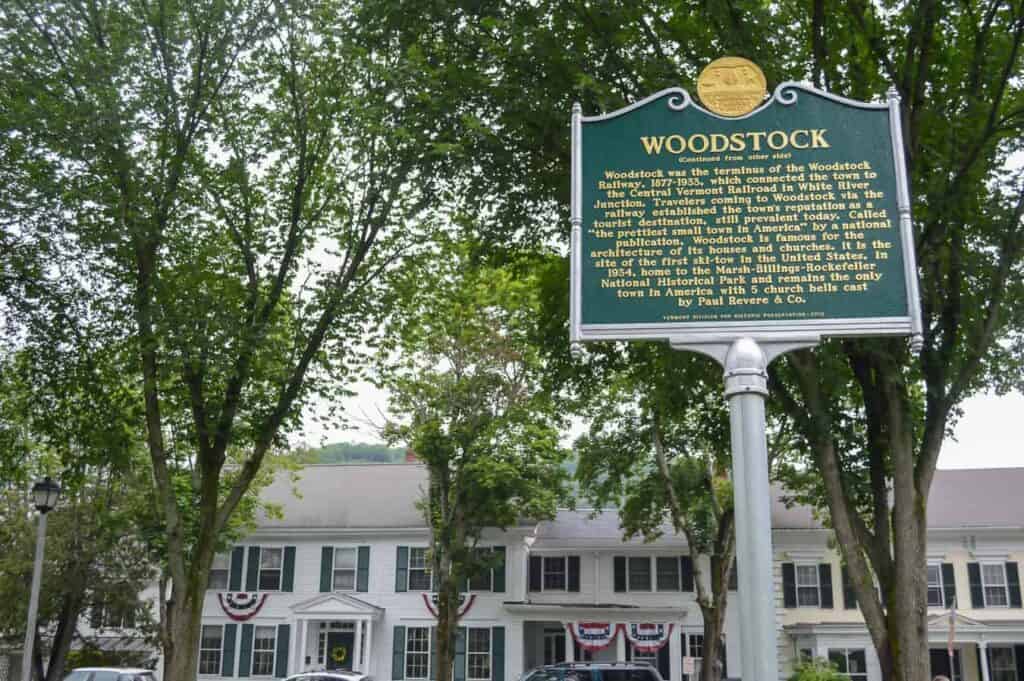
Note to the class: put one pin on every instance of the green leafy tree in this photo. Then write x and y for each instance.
(222, 184)
(466, 391)
(658, 447)
(873, 413)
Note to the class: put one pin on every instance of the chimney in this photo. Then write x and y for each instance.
(410, 456)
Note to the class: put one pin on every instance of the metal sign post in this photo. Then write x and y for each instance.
(742, 237)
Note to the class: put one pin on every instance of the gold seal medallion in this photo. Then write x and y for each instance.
(732, 86)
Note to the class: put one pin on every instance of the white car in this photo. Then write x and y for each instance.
(332, 675)
(110, 674)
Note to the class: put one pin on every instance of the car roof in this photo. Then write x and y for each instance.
(120, 670)
(335, 673)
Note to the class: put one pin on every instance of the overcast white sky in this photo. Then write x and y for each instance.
(988, 435)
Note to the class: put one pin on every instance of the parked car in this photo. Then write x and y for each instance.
(332, 675)
(594, 671)
(110, 674)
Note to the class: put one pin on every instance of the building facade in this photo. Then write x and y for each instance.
(341, 579)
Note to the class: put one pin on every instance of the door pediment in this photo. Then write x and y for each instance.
(337, 605)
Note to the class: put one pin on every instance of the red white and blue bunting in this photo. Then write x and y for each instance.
(241, 606)
(430, 600)
(648, 637)
(593, 635)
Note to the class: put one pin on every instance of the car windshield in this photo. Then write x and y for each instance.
(627, 675)
(579, 675)
(104, 676)
(77, 675)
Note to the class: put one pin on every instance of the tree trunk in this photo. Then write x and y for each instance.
(183, 627)
(70, 611)
(447, 628)
(714, 623)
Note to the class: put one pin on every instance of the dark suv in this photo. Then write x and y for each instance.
(594, 671)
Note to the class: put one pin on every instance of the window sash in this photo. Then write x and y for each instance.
(1003, 663)
(417, 653)
(993, 582)
(478, 654)
(264, 646)
(697, 646)
(851, 662)
(271, 561)
(936, 595)
(211, 643)
(555, 573)
(420, 577)
(218, 579)
(808, 591)
(484, 581)
(639, 573)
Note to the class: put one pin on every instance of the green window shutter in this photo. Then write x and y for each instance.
(402, 569)
(235, 572)
(849, 595)
(245, 658)
(433, 653)
(227, 658)
(459, 664)
(498, 654)
(974, 578)
(288, 570)
(398, 654)
(619, 573)
(686, 573)
(252, 572)
(825, 584)
(788, 585)
(1013, 584)
(948, 585)
(499, 570)
(281, 659)
(326, 569)
(363, 569)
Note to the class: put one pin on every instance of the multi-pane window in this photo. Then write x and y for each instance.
(697, 645)
(417, 652)
(554, 646)
(219, 572)
(264, 643)
(1003, 663)
(419, 570)
(210, 644)
(345, 560)
(110, 613)
(478, 654)
(554, 573)
(639, 573)
(993, 580)
(483, 580)
(807, 593)
(270, 569)
(850, 662)
(668, 573)
(935, 594)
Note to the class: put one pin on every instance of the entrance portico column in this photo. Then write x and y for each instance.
(357, 654)
(983, 653)
(368, 662)
(299, 659)
(675, 655)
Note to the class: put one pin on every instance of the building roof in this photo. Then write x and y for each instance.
(374, 496)
(349, 496)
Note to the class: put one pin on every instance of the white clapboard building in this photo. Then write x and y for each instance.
(342, 580)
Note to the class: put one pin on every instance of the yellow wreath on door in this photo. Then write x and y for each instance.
(339, 654)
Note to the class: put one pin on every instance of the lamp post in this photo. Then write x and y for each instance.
(44, 497)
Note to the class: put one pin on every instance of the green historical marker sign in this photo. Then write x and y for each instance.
(792, 219)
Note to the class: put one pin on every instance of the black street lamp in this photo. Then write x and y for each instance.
(44, 497)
